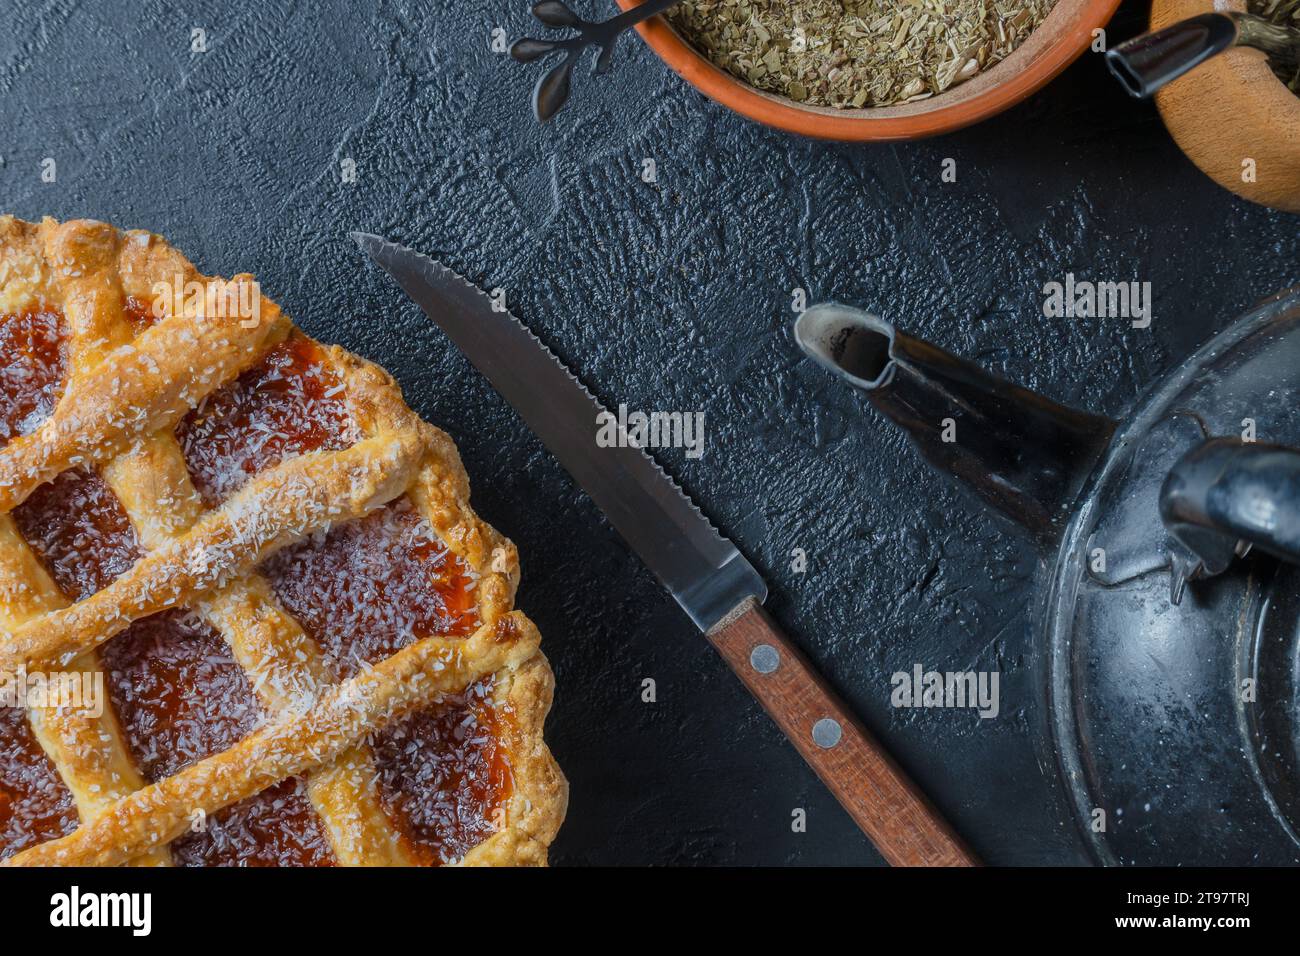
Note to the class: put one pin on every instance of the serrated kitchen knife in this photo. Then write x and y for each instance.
(707, 575)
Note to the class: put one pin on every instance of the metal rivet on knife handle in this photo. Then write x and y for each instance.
(764, 658)
(881, 798)
(826, 733)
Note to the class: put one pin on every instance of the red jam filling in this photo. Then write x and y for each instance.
(444, 775)
(78, 529)
(278, 827)
(364, 591)
(177, 692)
(32, 366)
(35, 805)
(292, 403)
(371, 587)
(139, 314)
(180, 697)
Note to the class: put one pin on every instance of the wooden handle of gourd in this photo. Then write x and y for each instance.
(890, 809)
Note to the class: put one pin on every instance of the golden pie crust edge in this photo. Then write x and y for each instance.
(86, 269)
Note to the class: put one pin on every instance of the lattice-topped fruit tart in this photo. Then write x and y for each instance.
(304, 634)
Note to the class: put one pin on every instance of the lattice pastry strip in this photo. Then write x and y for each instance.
(286, 669)
(154, 486)
(86, 749)
(126, 391)
(339, 719)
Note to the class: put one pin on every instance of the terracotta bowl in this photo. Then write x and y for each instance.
(1230, 109)
(1060, 38)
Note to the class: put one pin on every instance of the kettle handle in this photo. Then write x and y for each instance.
(1226, 496)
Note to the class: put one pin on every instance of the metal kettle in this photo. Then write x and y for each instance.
(1175, 708)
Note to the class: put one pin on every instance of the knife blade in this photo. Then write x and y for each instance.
(704, 571)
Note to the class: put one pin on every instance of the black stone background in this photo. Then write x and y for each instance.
(674, 295)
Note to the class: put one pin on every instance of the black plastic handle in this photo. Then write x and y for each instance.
(1226, 493)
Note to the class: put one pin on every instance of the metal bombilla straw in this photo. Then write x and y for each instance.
(1148, 62)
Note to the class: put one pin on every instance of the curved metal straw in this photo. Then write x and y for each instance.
(552, 89)
(1152, 60)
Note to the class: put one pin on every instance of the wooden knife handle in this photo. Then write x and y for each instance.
(889, 807)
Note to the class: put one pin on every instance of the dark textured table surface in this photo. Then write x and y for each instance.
(670, 295)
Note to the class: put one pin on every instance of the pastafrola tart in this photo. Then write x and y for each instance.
(302, 636)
